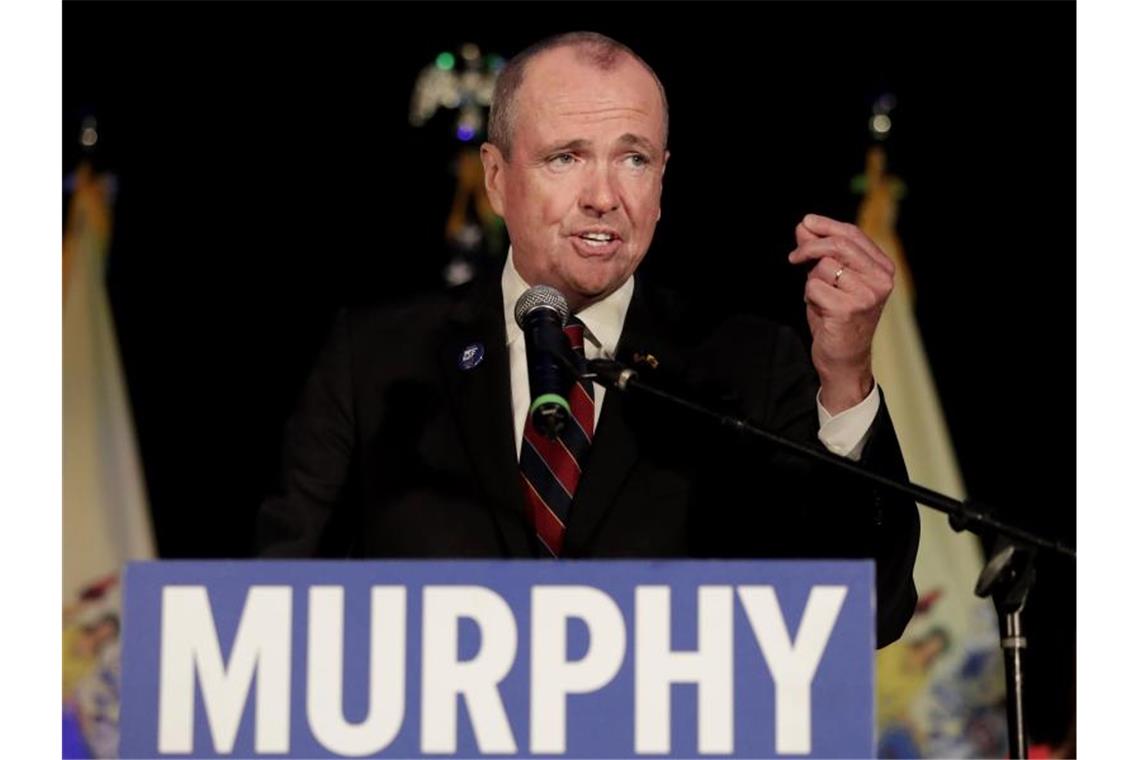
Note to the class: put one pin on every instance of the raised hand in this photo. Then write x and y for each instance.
(845, 293)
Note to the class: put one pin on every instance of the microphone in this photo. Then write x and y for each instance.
(542, 312)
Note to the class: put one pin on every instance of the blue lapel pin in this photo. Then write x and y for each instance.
(471, 356)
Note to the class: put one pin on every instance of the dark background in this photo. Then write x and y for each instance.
(268, 174)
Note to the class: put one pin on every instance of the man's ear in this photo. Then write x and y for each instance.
(493, 163)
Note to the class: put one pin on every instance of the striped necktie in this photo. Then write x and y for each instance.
(551, 468)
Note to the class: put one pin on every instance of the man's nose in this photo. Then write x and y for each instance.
(599, 196)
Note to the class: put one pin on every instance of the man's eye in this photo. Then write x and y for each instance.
(561, 159)
(637, 160)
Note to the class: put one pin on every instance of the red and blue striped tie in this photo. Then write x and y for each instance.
(551, 468)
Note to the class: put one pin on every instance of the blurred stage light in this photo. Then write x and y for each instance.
(445, 61)
(881, 124)
(88, 135)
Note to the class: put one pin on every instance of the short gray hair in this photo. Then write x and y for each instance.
(593, 48)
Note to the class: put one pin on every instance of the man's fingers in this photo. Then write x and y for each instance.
(843, 250)
(823, 226)
(804, 235)
(862, 294)
(826, 298)
(826, 269)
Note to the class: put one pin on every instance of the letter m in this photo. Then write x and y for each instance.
(190, 646)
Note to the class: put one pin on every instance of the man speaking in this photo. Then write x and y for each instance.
(415, 436)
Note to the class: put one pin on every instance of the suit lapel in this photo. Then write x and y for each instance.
(481, 395)
(615, 449)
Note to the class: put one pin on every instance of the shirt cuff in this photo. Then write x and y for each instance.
(845, 433)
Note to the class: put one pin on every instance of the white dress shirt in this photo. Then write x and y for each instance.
(844, 433)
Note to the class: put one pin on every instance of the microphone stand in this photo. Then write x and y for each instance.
(1007, 576)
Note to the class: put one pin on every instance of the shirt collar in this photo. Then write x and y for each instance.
(603, 319)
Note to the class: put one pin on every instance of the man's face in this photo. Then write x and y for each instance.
(581, 193)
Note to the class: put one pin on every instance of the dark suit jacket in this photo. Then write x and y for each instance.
(396, 450)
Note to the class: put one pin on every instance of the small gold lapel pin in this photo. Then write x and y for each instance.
(649, 359)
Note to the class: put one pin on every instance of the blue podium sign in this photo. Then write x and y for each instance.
(506, 659)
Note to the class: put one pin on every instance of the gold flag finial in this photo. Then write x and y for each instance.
(878, 214)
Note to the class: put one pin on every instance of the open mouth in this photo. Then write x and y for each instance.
(597, 239)
(596, 242)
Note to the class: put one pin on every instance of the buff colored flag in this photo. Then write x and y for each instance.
(105, 516)
(940, 688)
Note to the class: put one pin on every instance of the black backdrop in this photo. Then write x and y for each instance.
(268, 174)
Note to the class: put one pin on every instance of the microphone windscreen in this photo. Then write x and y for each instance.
(542, 297)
